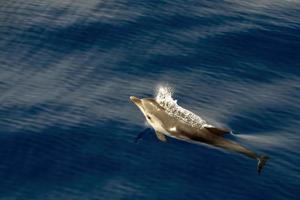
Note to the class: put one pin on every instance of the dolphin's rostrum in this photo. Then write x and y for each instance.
(169, 119)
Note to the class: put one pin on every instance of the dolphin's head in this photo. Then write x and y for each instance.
(148, 106)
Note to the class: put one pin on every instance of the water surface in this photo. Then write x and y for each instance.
(67, 69)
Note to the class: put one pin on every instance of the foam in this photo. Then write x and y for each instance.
(164, 99)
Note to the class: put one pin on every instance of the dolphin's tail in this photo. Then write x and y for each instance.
(262, 160)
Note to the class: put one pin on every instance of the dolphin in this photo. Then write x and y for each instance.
(166, 123)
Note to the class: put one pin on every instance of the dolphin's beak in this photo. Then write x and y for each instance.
(135, 100)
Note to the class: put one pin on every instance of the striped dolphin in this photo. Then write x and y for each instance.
(169, 119)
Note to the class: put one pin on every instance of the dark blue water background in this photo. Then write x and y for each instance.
(67, 69)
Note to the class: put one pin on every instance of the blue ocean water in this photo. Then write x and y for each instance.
(67, 69)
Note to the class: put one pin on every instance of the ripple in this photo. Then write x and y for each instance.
(67, 70)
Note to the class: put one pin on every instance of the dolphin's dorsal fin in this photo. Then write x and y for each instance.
(218, 131)
(161, 136)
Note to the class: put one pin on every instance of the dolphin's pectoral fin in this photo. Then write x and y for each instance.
(161, 136)
(218, 131)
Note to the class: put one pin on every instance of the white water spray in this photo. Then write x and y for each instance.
(165, 100)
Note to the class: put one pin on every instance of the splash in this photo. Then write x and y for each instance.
(165, 100)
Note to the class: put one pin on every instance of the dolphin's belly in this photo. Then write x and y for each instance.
(157, 126)
(171, 135)
(174, 128)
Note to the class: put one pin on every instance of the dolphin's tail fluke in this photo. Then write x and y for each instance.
(262, 160)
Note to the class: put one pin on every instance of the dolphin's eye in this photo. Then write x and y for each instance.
(148, 117)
